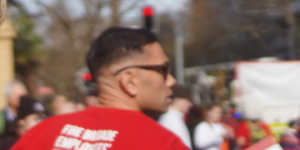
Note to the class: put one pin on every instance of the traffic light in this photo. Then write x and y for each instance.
(148, 14)
(85, 82)
(86, 77)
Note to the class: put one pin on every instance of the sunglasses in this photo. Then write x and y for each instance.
(162, 69)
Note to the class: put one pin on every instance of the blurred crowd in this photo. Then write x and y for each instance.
(217, 127)
(23, 111)
(225, 128)
(220, 126)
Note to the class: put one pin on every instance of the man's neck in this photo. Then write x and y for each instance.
(110, 95)
(119, 102)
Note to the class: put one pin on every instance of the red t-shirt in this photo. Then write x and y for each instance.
(99, 129)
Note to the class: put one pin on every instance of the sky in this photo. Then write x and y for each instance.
(158, 5)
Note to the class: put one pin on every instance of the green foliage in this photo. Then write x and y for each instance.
(27, 43)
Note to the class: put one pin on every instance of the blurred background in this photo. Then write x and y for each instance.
(203, 38)
(52, 36)
(240, 52)
(47, 40)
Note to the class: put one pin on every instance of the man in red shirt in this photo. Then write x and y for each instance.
(131, 71)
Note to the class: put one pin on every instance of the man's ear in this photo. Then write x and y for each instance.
(128, 83)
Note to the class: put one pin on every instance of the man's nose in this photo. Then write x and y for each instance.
(171, 81)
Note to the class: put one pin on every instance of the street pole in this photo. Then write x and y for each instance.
(179, 55)
(291, 36)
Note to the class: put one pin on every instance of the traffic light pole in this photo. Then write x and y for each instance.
(148, 14)
(179, 55)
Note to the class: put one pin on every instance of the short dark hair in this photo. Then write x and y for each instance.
(116, 43)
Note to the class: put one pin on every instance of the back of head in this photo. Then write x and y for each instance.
(115, 44)
(129, 66)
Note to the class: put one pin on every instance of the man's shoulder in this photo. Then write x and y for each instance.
(159, 135)
(157, 129)
(139, 127)
(45, 132)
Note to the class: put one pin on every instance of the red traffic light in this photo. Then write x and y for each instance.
(148, 11)
(86, 77)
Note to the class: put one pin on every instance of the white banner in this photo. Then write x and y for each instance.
(268, 90)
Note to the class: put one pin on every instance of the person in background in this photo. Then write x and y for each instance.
(230, 119)
(231, 116)
(289, 140)
(210, 134)
(295, 126)
(58, 105)
(13, 92)
(30, 113)
(174, 118)
(91, 98)
(251, 131)
(44, 93)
